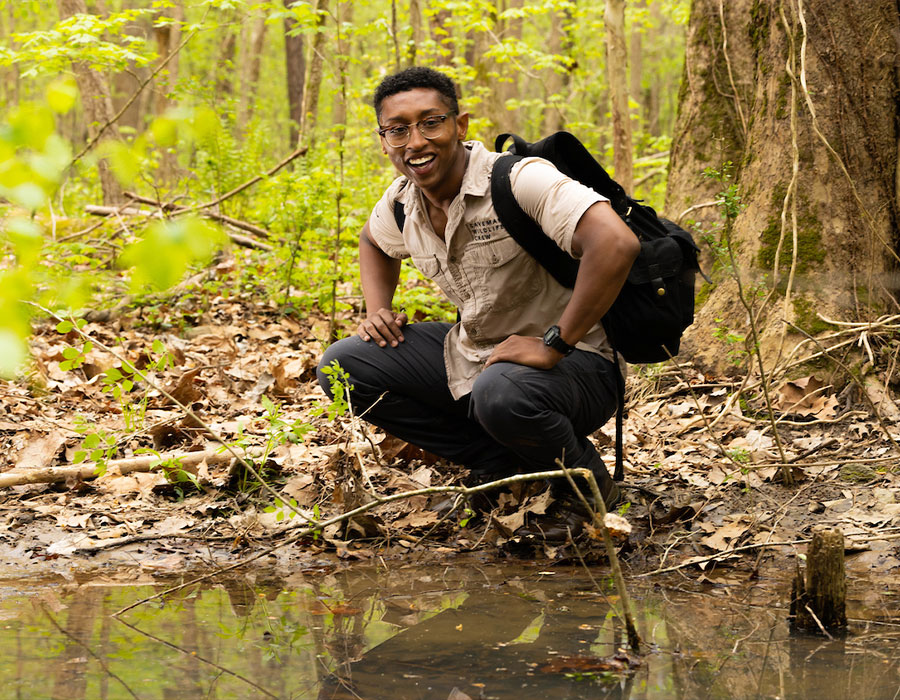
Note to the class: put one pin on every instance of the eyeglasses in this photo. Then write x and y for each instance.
(430, 127)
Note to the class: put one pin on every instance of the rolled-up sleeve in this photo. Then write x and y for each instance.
(383, 226)
(555, 201)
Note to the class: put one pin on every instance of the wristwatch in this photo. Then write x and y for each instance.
(553, 339)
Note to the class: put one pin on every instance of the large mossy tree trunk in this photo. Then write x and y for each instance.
(801, 97)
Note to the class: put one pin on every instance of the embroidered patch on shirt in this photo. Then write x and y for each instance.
(483, 229)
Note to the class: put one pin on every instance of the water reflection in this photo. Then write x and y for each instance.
(471, 630)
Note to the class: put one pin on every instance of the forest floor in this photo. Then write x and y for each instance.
(703, 484)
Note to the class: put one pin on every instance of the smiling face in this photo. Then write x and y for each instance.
(436, 165)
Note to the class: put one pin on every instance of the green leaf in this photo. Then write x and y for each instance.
(97, 455)
(13, 353)
(62, 95)
(124, 160)
(64, 326)
(71, 353)
(79, 456)
(113, 374)
(91, 441)
(165, 131)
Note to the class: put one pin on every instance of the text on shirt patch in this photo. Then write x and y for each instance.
(482, 229)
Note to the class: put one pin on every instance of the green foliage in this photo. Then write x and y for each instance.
(214, 131)
(81, 39)
(341, 387)
(98, 445)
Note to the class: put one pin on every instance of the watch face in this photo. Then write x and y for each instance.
(553, 339)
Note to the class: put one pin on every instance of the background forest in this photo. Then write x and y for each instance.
(180, 121)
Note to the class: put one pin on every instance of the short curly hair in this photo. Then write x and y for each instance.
(412, 78)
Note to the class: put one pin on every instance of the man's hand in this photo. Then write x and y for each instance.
(523, 350)
(383, 327)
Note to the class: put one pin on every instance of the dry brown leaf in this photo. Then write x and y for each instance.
(184, 391)
(725, 537)
(286, 373)
(806, 397)
(40, 451)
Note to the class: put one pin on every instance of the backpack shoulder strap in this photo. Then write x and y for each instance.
(399, 214)
(524, 229)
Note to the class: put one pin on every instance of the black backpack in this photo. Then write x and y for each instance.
(656, 303)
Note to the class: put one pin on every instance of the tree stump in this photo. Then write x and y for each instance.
(818, 604)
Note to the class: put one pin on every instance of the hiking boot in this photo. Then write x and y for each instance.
(482, 502)
(567, 515)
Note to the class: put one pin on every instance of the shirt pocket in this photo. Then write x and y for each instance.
(505, 276)
(430, 266)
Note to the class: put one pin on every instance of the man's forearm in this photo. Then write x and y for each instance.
(379, 275)
(605, 263)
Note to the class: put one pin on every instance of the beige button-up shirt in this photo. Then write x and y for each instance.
(499, 288)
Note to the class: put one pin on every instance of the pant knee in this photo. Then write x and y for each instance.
(499, 404)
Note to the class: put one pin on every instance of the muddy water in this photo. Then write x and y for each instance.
(397, 632)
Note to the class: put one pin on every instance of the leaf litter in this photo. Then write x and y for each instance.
(249, 374)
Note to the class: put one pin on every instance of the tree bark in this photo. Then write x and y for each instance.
(617, 72)
(820, 601)
(415, 23)
(223, 69)
(636, 66)
(295, 63)
(96, 106)
(557, 82)
(814, 159)
(168, 38)
(251, 62)
(507, 120)
(310, 113)
(443, 42)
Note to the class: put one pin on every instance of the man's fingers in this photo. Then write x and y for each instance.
(383, 327)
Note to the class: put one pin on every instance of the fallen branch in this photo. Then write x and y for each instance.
(147, 463)
(90, 470)
(178, 209)
(239, 239)
(721, 555)
(132, 539)
(252, 181)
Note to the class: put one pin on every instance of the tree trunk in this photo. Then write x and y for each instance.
(636, 65)
(168, 38)
(251, 61)
(443, 42)
(342, 63)
(96, 105)
(617, 72)
(310, 112)
(223, 69)
(415, 23)
(814, 159)
(295, 63)
(557, 82)
(509, 88)
(819, 600)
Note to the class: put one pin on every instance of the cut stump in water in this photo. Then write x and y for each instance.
(818, 603)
